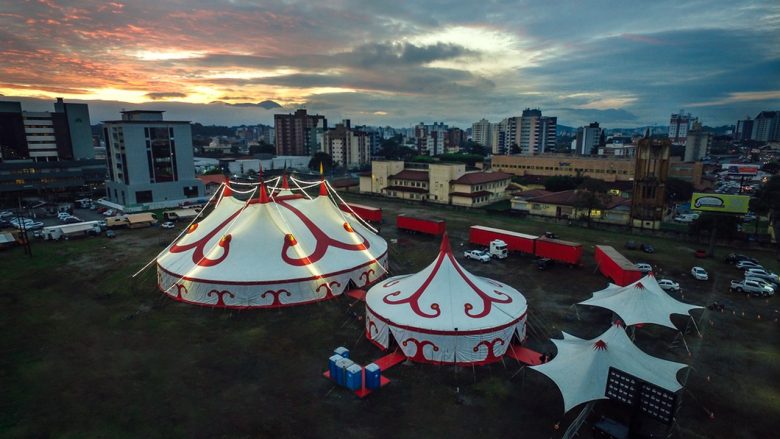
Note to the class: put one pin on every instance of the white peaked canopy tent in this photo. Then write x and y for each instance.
(581, 367)
(444, 314)
(643, 301)
(271, 251)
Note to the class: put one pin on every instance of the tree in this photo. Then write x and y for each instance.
(590, 195)
(468, 159)
(717, 225)
(771, 167)
(767, 201)
(678, 190)
(321, 158)
(262, 148)
(472, 147)
(213, 171)
(423, 159)
(562, 183)
(392, 149)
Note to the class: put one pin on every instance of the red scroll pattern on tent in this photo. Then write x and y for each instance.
(179, 289)
(220, 296)
(367, 274)
(323, 241)
(487, 300)
(198, 256)
(491, 346)
(328, 288)
(419, 355)
(276, 294)
(371, 324)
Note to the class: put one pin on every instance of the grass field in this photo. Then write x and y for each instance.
(89, 351)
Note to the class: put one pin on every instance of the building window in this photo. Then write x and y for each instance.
(143, 197)
(191, 191)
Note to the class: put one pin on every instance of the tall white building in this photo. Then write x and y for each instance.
(536, 134)
(678, 127)
(482, 132)
(698, 143)
(587, 139)
(149, 160)
(349, 148)
(766, 127)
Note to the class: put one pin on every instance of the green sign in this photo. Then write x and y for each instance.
(720, 203)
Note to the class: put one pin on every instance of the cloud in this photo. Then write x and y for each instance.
(268, 105)
(165, 95)
(732, 98)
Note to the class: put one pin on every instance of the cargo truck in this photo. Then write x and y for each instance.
(180, 214)
(516, 242)
(429, 226)
(368, 213)
(558, 250)
(615, 266)
(68, 231)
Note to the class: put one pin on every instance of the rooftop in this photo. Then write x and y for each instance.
(482, 177)
(408, 174)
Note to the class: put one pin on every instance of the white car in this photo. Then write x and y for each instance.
(644, 267)
(761, 273)
(744, 265)
(167, 225)
(479, 255)
(669, 285)
(699, 273)
(109, 212)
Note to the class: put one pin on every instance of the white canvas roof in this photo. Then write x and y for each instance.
(581, 366)
(272, 244)
(445, 297)
(643, 301)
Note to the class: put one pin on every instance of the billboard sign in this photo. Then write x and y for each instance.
(720, 203)
(740, 168)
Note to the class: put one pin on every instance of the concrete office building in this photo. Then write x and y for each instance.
(481, 132)
(587, 139)
(679, 124)
(150, 161)
(766, 127)
(697, 145)
(47, 154)
(536, 133)
(347, 147)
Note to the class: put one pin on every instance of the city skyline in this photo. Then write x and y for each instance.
(386, 63)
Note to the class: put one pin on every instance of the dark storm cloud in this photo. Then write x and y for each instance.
(165, 95)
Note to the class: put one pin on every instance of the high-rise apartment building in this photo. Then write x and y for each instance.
(536, 133)
(453, 140)
(347, 147)
(587, 140)
(481, 132)
(298, 133)
(430, 138)
(698, 143)
(149, 160)
(766, 127)
(678, 127)
(744, 129)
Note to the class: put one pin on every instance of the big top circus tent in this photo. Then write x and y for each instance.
(582, 367)
(278, 248)
(444, 314)
(643, 301)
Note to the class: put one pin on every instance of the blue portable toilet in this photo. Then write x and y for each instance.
(354, 377)
(373, 376)
(344, 352)
(332, 368)
(341, 373)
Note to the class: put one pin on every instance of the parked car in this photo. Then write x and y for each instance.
(744, 265)
(544, 263)
(632, 245)
(6, 214)
(479, 255)
(774, 285)
(733, 258)
(109, 212)
(752, 287)
(761, 273)
(669, 285)
(647, 248)
(103, 224)
(167, 225)
(644, 267)
(110, 234)
(72, 220)
(699, 273)
(550, 235)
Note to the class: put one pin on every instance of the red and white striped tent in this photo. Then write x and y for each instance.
(444, 314)
(277, 249)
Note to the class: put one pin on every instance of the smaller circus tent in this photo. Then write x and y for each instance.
(277, 249)
(444, 314)
(643, 301)
(581, 367)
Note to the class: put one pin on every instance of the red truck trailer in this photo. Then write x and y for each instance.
(517, 242)
(615, 266)
(557, 250)
(430, 226)
(368, 213)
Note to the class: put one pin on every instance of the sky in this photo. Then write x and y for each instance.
(396, 62)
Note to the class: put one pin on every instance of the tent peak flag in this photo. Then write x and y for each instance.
(323, 188)
(263, 193)
(227, 192)
(600, 345)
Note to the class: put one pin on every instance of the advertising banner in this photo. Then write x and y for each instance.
(720, 203)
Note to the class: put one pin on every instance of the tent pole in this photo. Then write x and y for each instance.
(685, 343)
(696, 326)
